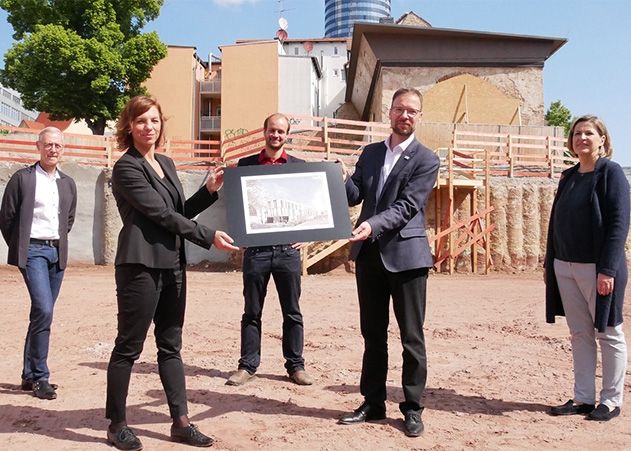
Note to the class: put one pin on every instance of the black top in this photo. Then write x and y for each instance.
(180, 259)
(573, 231)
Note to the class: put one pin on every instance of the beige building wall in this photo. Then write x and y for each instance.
(249, 86)
(175, 83)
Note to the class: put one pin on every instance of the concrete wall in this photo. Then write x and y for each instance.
(522, 210)
(94, 235)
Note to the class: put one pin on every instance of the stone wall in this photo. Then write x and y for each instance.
(522, 83)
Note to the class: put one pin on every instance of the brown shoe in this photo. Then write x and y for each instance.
(301, 377)
(239, 377)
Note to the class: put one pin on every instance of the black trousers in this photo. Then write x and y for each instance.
(145, 295)
(282, 262)
(375, 286)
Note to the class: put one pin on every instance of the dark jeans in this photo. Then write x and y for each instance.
(283, 264)
(43, 279)
(145, 295)
(375, 285)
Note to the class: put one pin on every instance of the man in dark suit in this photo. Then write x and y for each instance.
(282, 262)
(38, 210)
(394, 179)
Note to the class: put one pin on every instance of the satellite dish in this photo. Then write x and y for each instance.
(308, 46)
(282, 23)
(281, 35)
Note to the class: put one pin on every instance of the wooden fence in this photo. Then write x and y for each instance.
(318, 138)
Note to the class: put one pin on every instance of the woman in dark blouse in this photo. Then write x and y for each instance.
(586, 268)
(151, 267)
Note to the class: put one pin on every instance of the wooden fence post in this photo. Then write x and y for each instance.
(167, 147)
(550, 156)
(487, 204)
(511, 167)
(108, 153)
(325, 138)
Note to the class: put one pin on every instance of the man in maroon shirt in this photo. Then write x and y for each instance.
(282, 262)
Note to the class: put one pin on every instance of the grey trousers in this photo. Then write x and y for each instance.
(577, 285)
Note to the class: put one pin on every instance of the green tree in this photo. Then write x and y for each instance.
(80, 58)
(559, 115)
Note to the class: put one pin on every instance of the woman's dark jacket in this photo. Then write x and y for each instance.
(610, 214)
(151, 217)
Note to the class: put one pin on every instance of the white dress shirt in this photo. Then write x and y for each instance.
(392, 156)
(46, 210)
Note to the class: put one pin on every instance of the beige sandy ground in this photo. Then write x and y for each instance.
(494, 367)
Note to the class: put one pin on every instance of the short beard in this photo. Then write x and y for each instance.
(406, 133)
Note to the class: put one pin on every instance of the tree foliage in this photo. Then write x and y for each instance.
(559, 115)
(80, 58)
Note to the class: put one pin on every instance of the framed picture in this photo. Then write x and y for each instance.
(287, 203)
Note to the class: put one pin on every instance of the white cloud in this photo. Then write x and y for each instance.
(234, 2)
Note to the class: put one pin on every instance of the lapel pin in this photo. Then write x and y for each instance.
(406, 157)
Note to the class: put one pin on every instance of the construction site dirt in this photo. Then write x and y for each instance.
(495, 367)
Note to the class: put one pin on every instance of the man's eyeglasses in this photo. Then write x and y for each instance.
(51, 146)
(410, 111)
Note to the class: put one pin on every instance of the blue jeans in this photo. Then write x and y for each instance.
(43, 279)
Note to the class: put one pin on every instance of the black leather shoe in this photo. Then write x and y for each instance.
(43, 390)
(569, 408)
(365, 412)
(602, 413)
(124, 439)
(27, 385)
(413, 423)
(190, 435)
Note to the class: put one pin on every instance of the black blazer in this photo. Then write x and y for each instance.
(16, 214)
(610, 208)
(397, 217)
(151, 217)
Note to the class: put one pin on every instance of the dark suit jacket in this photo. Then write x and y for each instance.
(610, 207)
(16, 214)
(397, 218)
(151, 217)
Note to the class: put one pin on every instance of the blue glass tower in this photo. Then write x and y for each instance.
(340, 15)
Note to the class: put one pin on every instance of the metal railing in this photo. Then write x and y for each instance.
(210, 123)
(210, 86)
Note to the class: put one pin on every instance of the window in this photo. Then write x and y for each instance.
(335, 51)
(335, 72)
(296, 50)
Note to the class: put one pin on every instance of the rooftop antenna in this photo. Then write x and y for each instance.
(281, 34)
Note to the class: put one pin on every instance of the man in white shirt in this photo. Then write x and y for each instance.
(37, 212)
(393, 179)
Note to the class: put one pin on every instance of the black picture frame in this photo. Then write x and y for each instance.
(287, 203)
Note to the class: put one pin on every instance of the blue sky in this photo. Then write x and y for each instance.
(589, 74)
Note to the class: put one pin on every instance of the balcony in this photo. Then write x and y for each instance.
(210, 124)
(211, 86)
